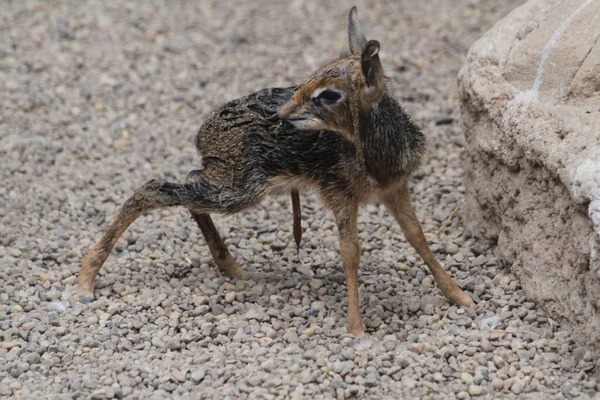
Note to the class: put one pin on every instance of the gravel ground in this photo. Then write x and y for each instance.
(96, 99)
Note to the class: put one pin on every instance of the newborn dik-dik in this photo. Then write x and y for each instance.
(340, 133)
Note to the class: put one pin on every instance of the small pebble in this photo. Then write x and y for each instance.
(310, 331)
(416, 348)
(517, 387)
(229, 297)
(197, 375)
(475, 390)
(497, 384)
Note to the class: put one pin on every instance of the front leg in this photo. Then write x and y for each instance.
(398, 202)
(346, 216)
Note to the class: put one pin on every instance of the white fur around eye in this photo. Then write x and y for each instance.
(318, 92)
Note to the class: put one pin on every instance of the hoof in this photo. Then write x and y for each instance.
(86, 297)
(236, 272)
(356, 330)
(463, 299)
(241, 275)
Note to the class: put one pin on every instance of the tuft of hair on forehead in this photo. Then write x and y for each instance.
(339, 68)
(317, 83)
(331, 72)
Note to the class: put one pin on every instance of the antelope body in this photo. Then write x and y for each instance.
(340, 133)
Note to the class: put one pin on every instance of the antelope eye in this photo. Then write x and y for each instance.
(329, 96)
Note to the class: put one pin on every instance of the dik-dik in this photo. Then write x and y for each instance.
(340, 133)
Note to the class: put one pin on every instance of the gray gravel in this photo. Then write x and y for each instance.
(97, 99)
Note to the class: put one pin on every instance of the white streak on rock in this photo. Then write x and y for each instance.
(531, 96)
(552, 43)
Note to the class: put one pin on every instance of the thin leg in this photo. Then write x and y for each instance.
(398, 202)
(218, 249)
(346, 216)
(297, 216)
(152, 195)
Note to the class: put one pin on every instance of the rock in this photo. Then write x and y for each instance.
(256, 314)
(497, 384)
(9, 345)
(255, 380)
(306, 376)
(416, 348)
(363, 344)
(174, 319)
(529, 93)
(268, 365)
(475, 390)
(270, 332)
(58, 306)
(229, 297)
(310, 331)
(452, 248)
(409, 383)
(491, 322)
(100, 394)
(337, 384)
(174, 344)
(291, 335)
(14, 252)
(466, 378)
(178, 375)
(197, 375)
(527, 370)
(498, 361)
(338, 367)
(19, 369)
(414, 305)
(296, 396)
(478, 378)
(486, 345)
(516, 344)
(517, 387)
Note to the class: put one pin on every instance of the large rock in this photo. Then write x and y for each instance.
(530, 92)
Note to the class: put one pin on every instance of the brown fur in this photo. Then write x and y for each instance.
(340, 133)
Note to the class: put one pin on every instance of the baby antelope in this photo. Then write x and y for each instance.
(340, 133)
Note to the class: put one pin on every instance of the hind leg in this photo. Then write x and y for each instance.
(217, 248)
(197, 194)
(154, 194)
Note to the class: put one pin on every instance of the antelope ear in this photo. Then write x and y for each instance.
(371, 65)
(356, 39)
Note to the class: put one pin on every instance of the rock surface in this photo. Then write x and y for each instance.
(530, 93)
